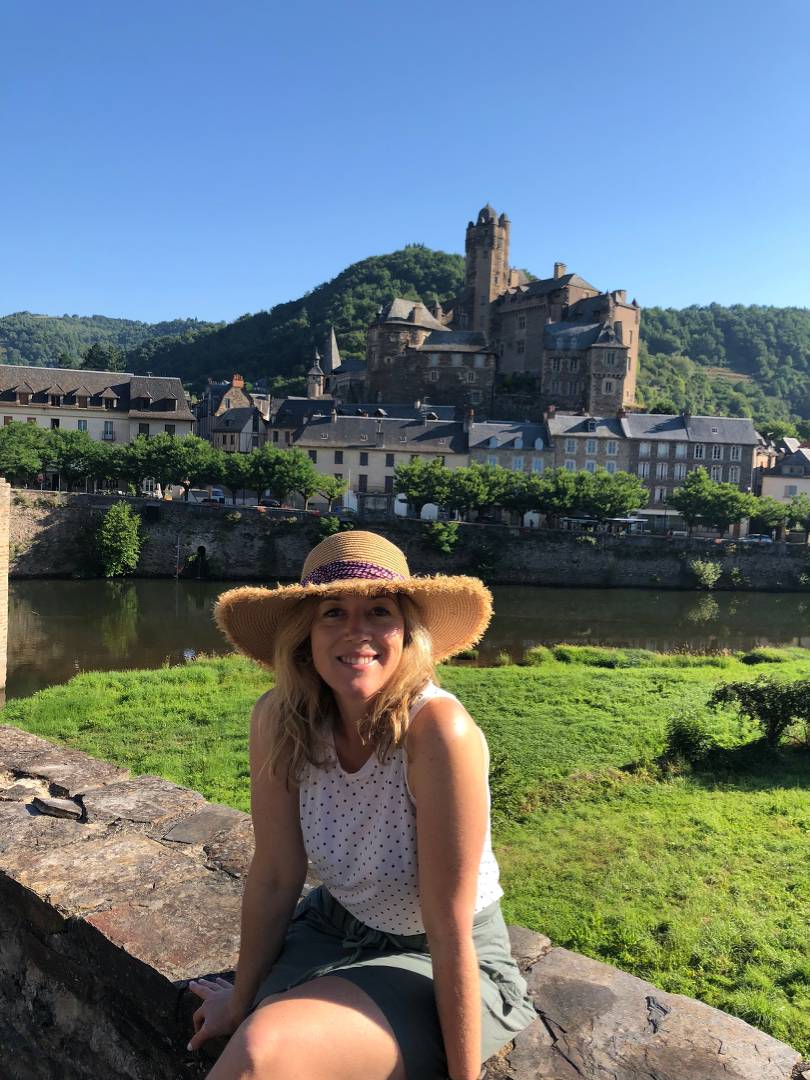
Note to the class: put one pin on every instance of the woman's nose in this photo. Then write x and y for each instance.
(358, 625)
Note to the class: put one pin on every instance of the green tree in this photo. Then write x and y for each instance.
(693, 499)
(73, 454)
(236, 472)
(728, 505)
(118, 541)
(556, 493)
(612, 495)
(469, 489)
(772, 703)
(165, 460)
(770, 513)
(25, 450)
(199, 461)
(331, 489)
(422, 482)
(799, 513)
(134, 462)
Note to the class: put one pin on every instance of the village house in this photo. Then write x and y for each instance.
(789, 477)
(111, 406)
(519, 447)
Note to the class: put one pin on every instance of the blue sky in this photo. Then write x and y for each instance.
(209, 159)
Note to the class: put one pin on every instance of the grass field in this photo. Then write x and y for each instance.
(696, 880)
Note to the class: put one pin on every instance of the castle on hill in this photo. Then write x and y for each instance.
(559, 339)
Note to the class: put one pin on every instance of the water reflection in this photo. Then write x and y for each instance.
(57, 628)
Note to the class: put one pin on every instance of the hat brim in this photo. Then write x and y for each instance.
(455, 610)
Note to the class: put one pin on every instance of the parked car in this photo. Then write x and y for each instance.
(756, 538)
(270, 502)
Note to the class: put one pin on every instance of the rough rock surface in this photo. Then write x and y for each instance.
(104, 918)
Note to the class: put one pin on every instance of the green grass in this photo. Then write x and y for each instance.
(696, 881)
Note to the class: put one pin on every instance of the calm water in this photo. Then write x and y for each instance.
(58, 628)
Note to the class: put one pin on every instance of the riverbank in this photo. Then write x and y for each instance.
(693, 880)
(51, 536)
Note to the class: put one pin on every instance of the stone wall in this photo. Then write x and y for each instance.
(5, 510)
(51, 535)
(115, 891)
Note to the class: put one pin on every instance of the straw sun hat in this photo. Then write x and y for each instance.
(455, 610)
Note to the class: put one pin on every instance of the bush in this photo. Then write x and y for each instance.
(442, 536)
(329, 524)
(763, 656)
(706, 572)
(537, 655)
(773, 704)
(233, 517)
(466, 656)
(688, 738)
(591, 655)
(118, 540)
(502, 659)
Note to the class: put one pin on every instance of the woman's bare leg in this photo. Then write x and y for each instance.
(327, 1029)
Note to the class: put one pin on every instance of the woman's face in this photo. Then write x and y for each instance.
(357, 644)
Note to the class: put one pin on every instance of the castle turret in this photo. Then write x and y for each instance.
(315, 378)
(487, 266)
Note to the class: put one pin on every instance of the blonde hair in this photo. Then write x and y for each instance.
(300, 713)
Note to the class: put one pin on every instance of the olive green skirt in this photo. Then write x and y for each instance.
(323, 938)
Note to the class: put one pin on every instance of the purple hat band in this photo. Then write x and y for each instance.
(344, 569)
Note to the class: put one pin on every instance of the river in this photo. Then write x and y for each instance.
(58, 628)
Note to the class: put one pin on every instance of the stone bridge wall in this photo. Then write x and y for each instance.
(114, 891)
(51, 535)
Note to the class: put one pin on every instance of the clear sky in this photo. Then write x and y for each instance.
(208, 158)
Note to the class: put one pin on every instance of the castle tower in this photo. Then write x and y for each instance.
(487, 266)
(315, 378)
(331, 354)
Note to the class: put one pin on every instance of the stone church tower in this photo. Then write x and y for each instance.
(487, 267)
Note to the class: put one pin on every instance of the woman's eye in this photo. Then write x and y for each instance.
(331, 612)
(382, 611)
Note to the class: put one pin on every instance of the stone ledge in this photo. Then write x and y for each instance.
(103, 920)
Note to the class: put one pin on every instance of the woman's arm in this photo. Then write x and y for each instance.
(447, 776)
(277, 871)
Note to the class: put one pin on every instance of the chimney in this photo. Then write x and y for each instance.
(687, 415)
(560, 270)
(417, 404)
(621, 413)
(379, 433)
(469, 419)
(621, 295)
(333, 415)
(551, 412)
(237, 382)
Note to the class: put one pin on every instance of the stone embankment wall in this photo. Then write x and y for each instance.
(115, 891)
(51, 535)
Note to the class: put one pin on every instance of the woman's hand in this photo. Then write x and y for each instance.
(216, 1016)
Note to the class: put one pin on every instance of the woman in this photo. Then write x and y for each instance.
(398, 966)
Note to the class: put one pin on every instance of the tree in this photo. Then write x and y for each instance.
(24, 451)
(165, 460)
(235, 472)
(799, 513)
(118, 542)
(103, 356)
(727, 505)
(200, 463)
(770, 513)
(331, 489)
(422, 482)
(134, 462)
(615, 494)
(556, 493)
(692, 500)
(469, 489)
(73, 455)
(772, 703)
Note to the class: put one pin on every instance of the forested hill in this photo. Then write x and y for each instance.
(52, 340)
(743, 361)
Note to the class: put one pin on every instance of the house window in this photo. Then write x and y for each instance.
(571, 465)
(82, 425)
(362, 481)
(109, 403)
(30, 419)
(6, 421)
(23, 399)
(389, 485)
(660, 495)
(54, 424)
(338, 457)
(537, 464)
(608, 386)
(644, 469)
(680, 471)
(56, 401)
(734, 474)
(791, 490)
(521, 322)
(492, 459)
(338, 475)
(612, 447)
(82, 402)
(717, 453)
(717, 472)
(275, 436)
(610, 466)
(661, 470)
(470, 376)
(475, 397)
(680, 449)
(590, 466)
(517, 463)
(520, 347)
(555, 363)
(170, 429)
(143, 429)
(700, 452)
(590, 446)
(570, 446)
(574, 363)
(433, 376)
(389, 461)
(736, 453)
(313, 455)
(364, 457)
(663, 449)
(108, 432)
(254, 441)
(644, 449)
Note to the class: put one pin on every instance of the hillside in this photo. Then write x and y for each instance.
(43, 340)
(732, 360)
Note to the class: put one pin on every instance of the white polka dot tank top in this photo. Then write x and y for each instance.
(359, 831)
